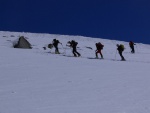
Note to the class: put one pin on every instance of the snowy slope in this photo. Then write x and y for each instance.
(36, 81)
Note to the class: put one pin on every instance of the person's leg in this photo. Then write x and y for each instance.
(56, 50)
(101, 53)
(96, 53)
(78, 53)
(74, 53)
(120, 53)
(133, 50)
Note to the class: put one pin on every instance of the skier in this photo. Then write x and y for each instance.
(55, 44)
(99, 47)
(120, 50)
(74, 44)
(131, 44)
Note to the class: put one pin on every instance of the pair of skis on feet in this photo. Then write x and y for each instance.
(105, 59)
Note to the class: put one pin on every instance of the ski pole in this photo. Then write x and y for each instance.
(115, 54)
(137, 48)
(63, 49)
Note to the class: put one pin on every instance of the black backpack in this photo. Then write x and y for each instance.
(99, 45)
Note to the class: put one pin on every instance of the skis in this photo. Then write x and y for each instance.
(117, 60)
(71, 56)
(94, 58)
(104, 59)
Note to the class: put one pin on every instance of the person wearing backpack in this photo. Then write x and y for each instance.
(120, 49)
(99, 47)
(55, 44)
(131, 44)
(74, 44)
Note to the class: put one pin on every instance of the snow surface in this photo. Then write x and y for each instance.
(37, 81)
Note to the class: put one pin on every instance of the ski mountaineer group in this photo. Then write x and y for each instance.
(99, 46)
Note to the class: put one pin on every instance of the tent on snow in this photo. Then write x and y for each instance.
(22, 43)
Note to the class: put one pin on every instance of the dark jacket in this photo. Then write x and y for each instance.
(55, 42)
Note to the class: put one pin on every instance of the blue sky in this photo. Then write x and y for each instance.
(111, 19)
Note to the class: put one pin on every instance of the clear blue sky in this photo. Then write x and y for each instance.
(111, 19)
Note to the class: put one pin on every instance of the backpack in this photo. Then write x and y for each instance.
(131, 43)
(50, 46)
(122, 46)
(99, 45)
(74, 43)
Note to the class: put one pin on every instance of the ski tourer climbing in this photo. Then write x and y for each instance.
(99, 48)
(131, 44)
(73, 44)
(55, 44)
(120, 49)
